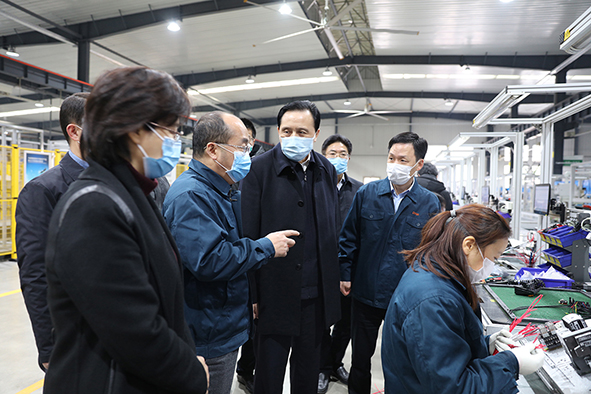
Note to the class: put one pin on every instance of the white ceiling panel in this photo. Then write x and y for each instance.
(77, 11)
(220, 41)
(461, 27)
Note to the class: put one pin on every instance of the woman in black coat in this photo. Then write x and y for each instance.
(115, 282)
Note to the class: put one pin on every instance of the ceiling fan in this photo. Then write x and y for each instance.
(327, 25)
(367, 111)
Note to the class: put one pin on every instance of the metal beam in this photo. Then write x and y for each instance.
(84, 61)
(480, 97)
(525, 62)
(100, 28)
(435, 115)
(29, 77)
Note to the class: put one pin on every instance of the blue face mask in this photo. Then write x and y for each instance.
(171, 153)
(240, 166)
(296, 148)
(339, 164)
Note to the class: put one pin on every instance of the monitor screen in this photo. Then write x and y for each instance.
(542, 199)
(484, 194)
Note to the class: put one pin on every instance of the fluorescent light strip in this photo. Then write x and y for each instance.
(24, 112)
(267, 85)
(469, 76)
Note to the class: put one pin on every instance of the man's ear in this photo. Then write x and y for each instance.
(74, 132)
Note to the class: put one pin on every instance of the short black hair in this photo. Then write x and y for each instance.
(419, 144)
(72, 111)
(303, 105)
(210, 128)
(337, 138)
(250, 126)
(123, 101)
(428, 169)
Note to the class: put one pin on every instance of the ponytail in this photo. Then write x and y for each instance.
(440, 250)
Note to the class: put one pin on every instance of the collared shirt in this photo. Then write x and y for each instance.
(78, 160)
(306, 163)
(341, 182)
(397, 198)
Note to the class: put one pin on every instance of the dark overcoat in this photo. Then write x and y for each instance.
(273, 200)
(115, 293)
(34, 207)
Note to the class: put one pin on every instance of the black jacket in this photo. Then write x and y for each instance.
(33, 211)
(431, 183)
(346, 195)
(115, 293)
(273, 200)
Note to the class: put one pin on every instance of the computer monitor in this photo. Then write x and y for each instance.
(542, 199)
(484, 194)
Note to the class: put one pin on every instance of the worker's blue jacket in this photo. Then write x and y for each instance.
(203, 215)
(433, 342)
(373, 236)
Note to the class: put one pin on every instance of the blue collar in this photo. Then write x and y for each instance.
(78, 160)
(210, 177)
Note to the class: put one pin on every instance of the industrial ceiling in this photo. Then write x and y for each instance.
(465, 52)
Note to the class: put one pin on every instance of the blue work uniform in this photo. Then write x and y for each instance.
(433, 342)
(203, 215)
(374, 234)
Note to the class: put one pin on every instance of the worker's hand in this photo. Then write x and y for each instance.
(202, 361)
(345, 288)
(255, 311)
(501, 341)
(529, 358)
(281, 242)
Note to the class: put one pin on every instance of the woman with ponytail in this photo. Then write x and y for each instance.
(433, 340)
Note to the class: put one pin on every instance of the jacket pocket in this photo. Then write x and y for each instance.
(411, 232)
(372, 223)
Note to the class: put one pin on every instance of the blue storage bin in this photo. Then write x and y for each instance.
(547, 282)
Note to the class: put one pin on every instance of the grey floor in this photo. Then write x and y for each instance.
(19, 373)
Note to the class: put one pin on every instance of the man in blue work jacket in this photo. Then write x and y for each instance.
(386, 217)
(203, 214)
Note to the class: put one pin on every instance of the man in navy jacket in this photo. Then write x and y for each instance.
(203, 214)
(386, 217)
(33, 211)
(291, 186)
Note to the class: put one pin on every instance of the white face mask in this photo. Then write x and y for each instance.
(399, 174)
(484, 271)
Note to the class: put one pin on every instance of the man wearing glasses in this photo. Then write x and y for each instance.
(203, 215)
(337, 149)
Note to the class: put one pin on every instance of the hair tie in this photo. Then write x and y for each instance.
(452, 214)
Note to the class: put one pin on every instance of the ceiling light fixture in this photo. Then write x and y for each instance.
(467, 68)
(173, 26)
(347, 102)
(24, 112)
(327, 72)
(39, 105)
(12, 51)
(250, 79)
(285, 9)
(448, 102)
(266, 85)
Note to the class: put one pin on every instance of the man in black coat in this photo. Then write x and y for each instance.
(337, 149)
(428, 179)
(297, 296)
(33, 211)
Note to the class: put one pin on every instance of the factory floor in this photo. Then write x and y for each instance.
(19, 373)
